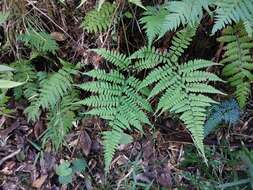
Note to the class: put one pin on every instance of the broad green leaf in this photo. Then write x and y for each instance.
(5, 84)
(63, 169)
(79, 165)
(64, 180)
(4, 68)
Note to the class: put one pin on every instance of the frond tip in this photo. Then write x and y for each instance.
(99, 20)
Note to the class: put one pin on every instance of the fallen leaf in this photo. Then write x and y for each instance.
(60, 37)
(85, 143)
(164, 177)
(39, 182)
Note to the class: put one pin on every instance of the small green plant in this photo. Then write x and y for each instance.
(238, 61)
(183, 87)
(116, 99)
(227, 112)
(97, 21)
(233, 11)
(66, 170)
(39, 41)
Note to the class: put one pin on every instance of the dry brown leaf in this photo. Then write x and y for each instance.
(39, 182)
(85, 143)
(60, 37)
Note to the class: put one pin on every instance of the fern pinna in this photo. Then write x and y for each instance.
(227, 112)
(238, 61)
(116, 100)
(182, 86)
(233, 11)
(169, 16)
(99, 20)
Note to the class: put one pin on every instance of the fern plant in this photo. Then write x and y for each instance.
(116, 100)
(97, 21)
(234, 11)
(25, 71)
(238, 61)
(60, 119)
(40, 41)
(169, 16)
(227, 112)
(183, 86)
(51, 90)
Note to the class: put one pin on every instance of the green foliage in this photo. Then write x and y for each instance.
(25, 71)
(116, 100)
(66, 170)
(99, 20)
(60, 119)
(52, 89)
(40, 41)
(3, 16)
(227, 112)
(5, 83)
(183, 87)
(168, 17)
(230, 11)
(238, 61)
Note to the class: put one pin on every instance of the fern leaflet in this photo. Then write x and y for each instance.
(183, 87)
(238, 61)
(116, 101)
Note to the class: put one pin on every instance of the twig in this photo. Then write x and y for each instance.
(9, 156)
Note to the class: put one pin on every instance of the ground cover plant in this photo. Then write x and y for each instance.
(126, 94)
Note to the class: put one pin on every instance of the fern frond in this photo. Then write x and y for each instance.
(60, 121)
(117, 100)
(41, 41)
(227, 112)
(25, 71)
(184, 88)
(116, 58)
(238, 61)
(99, 20)
(229, 11)
(171, 15)
(52, 89)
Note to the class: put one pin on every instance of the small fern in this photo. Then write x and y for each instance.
(238, 61)
(99, 20)
(25, 71)
(183, 86)
(40, 41)
(60, 120)
(168, 17)
(52, 89)
(228, 112)
(230, 11)
(116, 101)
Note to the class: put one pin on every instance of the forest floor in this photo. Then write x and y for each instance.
(163, 157)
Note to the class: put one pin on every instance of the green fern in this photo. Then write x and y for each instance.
(51, 91)
(183, 87)
(238, 61)
(25, 71)
(116, 100)
(229, 11)
(60, 120)
(40, 41)
(168, 17)
(99, 20)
